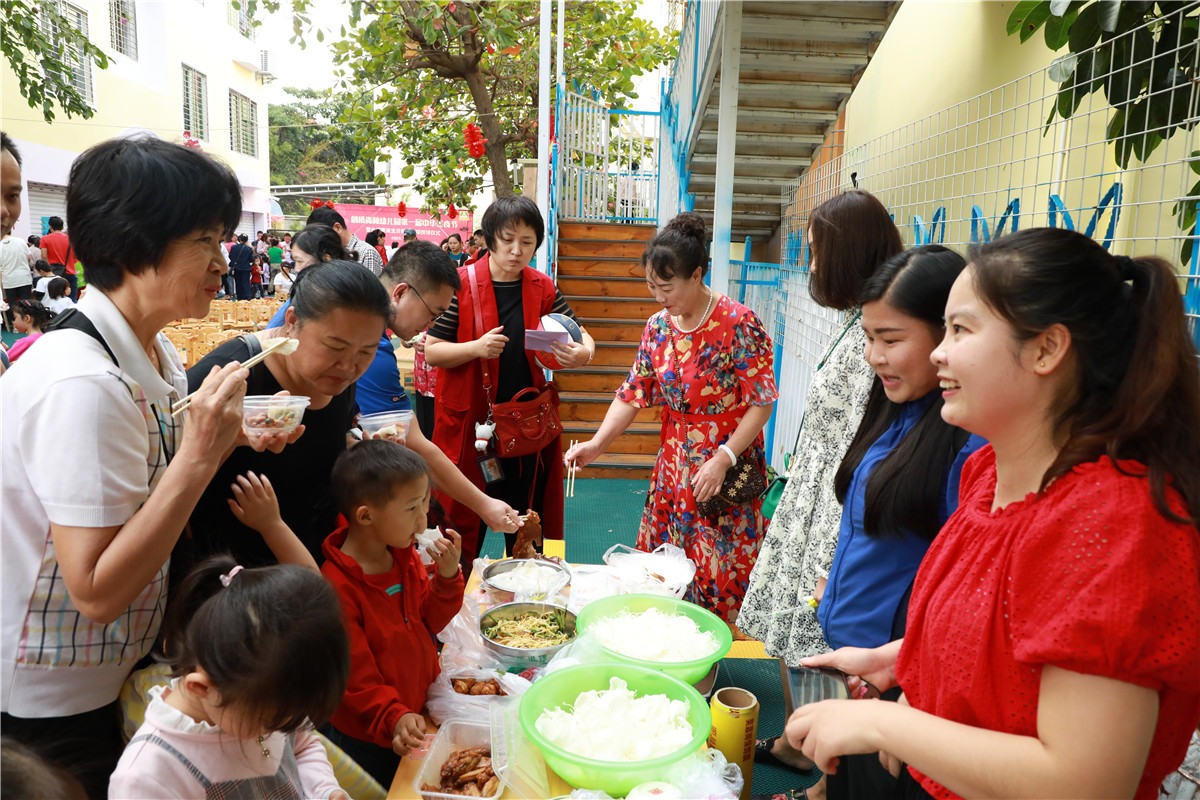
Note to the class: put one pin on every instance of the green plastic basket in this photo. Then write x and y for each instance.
(686, 671)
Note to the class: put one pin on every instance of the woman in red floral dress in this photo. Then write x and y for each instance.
(708, 361)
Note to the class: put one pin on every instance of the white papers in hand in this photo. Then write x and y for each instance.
(544, 340)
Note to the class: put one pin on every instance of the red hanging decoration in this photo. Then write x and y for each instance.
(317, 203)
(474, 140)
(402, 209)
(452, 212)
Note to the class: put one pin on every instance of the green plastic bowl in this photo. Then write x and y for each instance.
(615, 777)
(686, 671)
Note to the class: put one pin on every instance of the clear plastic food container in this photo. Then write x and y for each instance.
(455, 734)
(263, 415)
(390, 425)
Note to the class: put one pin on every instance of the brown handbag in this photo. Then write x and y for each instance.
(529, 421)
(743, 482)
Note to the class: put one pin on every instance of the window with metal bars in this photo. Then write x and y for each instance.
(195, 102)
(240, 18)
(122, 25)
(77, 68)
(243, 125)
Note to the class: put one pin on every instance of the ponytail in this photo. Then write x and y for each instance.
(1136, 393)
(38, 314)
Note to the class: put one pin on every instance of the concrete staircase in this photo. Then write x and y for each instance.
(600, 274)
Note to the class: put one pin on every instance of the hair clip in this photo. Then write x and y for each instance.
(225, 579)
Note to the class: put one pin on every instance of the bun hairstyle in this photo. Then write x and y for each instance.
(1136, 388)
(852, 234)
(270, 639)
(678, 250)
(903, 490)
(320, 241)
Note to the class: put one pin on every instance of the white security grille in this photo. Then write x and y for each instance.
(240, 18)
(991, 165)
(122, 26)
(609, 164)
(77, 68)
(243, 124)
(195, 102)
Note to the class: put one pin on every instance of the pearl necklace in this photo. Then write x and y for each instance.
(703, 316)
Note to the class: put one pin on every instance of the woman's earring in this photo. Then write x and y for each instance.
(1042, 364)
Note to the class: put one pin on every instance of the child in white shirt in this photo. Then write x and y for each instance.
(258, 657)
(58, 295)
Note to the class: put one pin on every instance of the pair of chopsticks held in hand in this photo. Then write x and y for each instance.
(571, 474)
(280, 344)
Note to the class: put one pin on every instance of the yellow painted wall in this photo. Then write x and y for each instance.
(950, 114)
(934, 55)
(147, 94)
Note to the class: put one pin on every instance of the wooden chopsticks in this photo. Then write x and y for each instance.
(571, 474)
(182, 405)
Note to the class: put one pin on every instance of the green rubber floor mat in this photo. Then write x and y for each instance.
(760, 677)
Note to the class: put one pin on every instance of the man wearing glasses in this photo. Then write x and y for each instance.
(422, 280)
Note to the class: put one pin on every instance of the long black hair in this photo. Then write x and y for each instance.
(902, 491)
(1136, 388)
(270, 639)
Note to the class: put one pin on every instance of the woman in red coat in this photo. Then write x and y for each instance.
(511, 297)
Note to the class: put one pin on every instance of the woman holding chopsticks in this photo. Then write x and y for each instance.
(708, 361)
(99, 476)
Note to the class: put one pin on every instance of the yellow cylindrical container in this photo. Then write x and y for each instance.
(734, 728)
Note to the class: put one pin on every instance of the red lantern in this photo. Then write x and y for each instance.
(474, 140)
(452, 212)
(402, 209)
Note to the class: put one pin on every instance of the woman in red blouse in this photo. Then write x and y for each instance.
(1053, 641)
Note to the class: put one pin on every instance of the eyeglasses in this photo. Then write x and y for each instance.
(432, 313)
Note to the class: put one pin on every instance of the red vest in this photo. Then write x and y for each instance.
(460, 401)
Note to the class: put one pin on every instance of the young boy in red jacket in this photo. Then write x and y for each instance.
(391, 604)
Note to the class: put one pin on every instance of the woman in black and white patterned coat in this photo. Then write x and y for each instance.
(849, 236)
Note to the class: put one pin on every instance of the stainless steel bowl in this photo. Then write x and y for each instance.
(521, 658)
(498, 595)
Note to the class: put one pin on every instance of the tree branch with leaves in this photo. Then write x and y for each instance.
(1144, 56)
(435, 66)
(42, 46)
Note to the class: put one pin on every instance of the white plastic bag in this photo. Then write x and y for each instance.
(707, 775)
(592, 582)
(667, 570)
(463, 643)
(443, 703)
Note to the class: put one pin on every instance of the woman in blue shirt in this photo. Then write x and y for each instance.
(898, 482)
